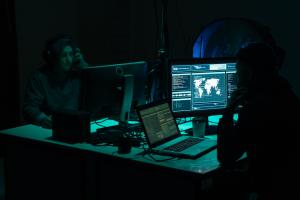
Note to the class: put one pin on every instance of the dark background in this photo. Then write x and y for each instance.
(122, 30)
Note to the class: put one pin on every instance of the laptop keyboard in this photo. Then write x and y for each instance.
(184, 144)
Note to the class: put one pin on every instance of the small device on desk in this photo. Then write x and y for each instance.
(118, 135)
(106, 135)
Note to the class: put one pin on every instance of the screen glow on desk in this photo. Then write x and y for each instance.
(106, 122)
(215, 119)
(212, 121)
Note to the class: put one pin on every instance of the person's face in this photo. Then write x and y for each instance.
(244, 74)
(65, 59)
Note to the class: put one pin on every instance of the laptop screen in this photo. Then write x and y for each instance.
(159, 123)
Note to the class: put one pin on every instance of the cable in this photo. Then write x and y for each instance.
(99, 122)
(148, 152)
(212, 122)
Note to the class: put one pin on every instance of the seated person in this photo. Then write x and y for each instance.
(55, 85)
(266, 129)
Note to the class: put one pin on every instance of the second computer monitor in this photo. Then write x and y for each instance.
(201, 86)
(106, 89)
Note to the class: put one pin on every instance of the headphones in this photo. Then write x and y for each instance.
(55, 45)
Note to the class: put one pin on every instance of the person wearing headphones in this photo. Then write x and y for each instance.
(265, 131)
(55, 85)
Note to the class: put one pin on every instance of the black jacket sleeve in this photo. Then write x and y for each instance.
(33, 99)
(230, 143)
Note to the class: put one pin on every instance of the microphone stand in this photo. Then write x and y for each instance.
(162, 69)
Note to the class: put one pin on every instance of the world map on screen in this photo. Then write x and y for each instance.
(207, 87)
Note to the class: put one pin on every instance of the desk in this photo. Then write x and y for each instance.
(38, 167)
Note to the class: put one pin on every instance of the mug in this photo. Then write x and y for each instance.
(199, 126)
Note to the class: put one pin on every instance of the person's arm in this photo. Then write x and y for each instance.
(230, 139)
(230, 143)
(33, 100)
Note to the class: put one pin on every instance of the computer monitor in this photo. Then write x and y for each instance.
(113, 90)
(201, 87)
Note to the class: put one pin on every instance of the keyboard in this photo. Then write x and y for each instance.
(184, 144)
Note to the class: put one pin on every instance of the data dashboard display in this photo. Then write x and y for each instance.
(202, 86)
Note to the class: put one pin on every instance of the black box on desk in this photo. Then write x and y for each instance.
(70, 126)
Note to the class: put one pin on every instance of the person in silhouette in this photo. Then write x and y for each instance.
(55, 85)
(266, 131)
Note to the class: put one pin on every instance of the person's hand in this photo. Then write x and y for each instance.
(79, 60)
(46, 122)
(238, 97)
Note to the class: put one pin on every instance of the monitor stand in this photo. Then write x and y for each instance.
(124, 117)
(112, 134)
(127, 99)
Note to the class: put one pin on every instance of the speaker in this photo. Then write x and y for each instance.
(71, 126)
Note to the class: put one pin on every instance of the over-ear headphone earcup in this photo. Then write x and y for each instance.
(47, 55)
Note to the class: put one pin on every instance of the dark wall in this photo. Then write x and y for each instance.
(9, 76)
(118, 30)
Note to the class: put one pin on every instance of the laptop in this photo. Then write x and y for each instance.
(163, 135)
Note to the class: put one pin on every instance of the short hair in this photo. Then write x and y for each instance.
(259, 56)
(55, 45)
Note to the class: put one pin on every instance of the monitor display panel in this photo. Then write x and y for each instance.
(105, 88)
(201, 86)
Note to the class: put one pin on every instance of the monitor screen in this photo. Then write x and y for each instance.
(108, 90)
(201, 86)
